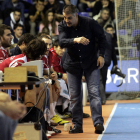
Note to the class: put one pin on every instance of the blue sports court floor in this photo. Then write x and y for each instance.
(123, 123)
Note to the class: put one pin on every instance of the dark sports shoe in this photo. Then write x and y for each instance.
(76, 129)
(49, 128)
(99, 128)
(85, 115)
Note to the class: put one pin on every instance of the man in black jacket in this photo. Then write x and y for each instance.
(109, 55)
(78, 34)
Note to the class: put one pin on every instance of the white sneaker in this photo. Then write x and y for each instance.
(48, 135)
(52, 133)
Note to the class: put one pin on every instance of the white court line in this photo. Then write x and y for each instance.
(107, 122)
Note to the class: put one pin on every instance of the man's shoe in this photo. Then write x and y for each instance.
(85, 115)
(49, 128)
(103, 102)
(76, 130)
(99, 128)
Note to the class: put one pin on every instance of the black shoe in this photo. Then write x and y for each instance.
(86, 115)
(103, 102)
(49, 128)
(99, 128)
(76, 130)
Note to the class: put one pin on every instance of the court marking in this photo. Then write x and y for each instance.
(108, 120)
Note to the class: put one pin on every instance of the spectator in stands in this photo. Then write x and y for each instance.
(9, 5)
(22, 44)
(110, 29)
(104, 18)
(57, 7)
(14, 18)
(1, 17)
(66, 2)
(99, 5)
(18, 31)
(74, 2)
(6, 38)
(126, 14)
(10, 112)
(36, 16)
(84, 4)
(50, 23)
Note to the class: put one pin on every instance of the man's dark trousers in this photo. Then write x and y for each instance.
(76, 96)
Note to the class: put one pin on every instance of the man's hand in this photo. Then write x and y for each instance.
(65, 77)
(81, 40)
(53, 76)
(100, 62)
(15, 110)
(4, 97)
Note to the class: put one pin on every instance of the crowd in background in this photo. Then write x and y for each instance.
(35, 16)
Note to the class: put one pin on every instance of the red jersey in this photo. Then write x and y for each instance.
(3, 54)
(14, 61)
(47, 61)
(56, 61)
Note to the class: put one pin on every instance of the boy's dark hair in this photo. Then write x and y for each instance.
(43, 34)
(56, 43)
(105, 9)
(16, 10)
(45, 30)
(35, 49)
(18, 25)
(2, 28)
(109, 26)
(40, 0)
(26, 38)
(70, 9)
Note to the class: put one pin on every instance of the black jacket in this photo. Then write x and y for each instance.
(15, 51)
(110, 53)
(80, 56)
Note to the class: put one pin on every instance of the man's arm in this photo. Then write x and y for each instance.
(4, 97)
(98, 31)
(126, 19)
(64, 41)
(114, 58)
(13, 109)
(33, 18)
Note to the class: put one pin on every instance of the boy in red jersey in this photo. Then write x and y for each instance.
(50, 73)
